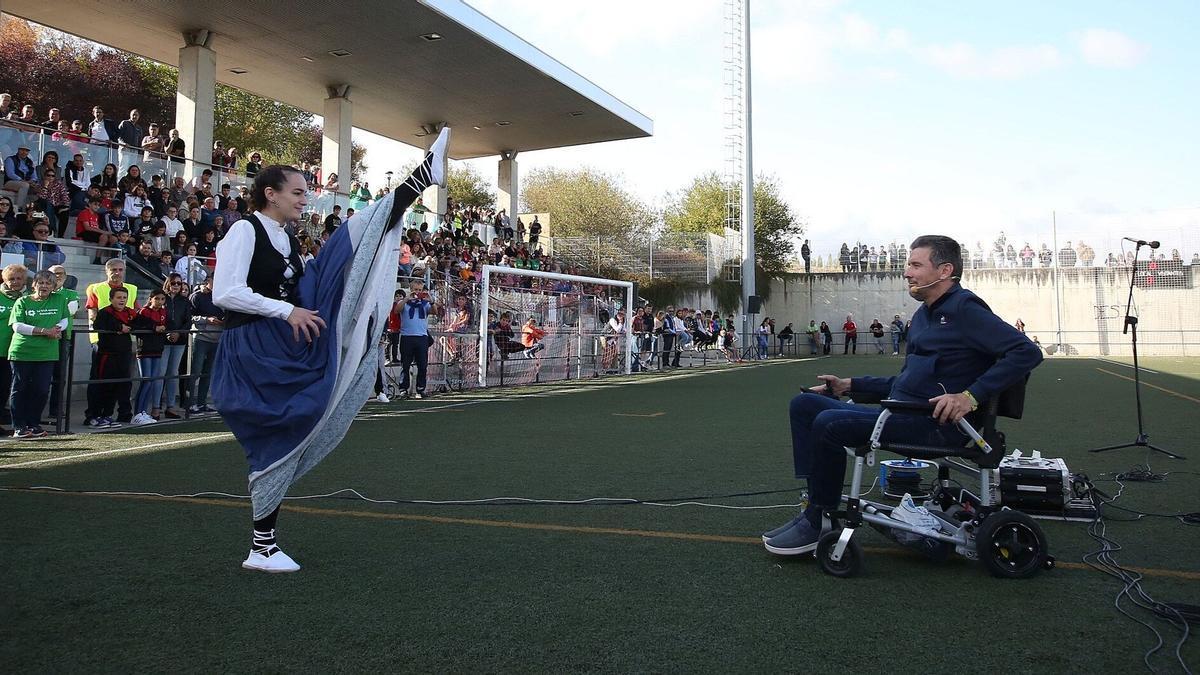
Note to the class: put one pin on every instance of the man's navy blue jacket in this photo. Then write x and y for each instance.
(957, 345)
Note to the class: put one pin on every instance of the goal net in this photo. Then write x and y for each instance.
(537, 326)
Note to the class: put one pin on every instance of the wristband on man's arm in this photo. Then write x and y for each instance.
(974, 402)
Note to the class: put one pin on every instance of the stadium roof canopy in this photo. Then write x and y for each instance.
(409, 64)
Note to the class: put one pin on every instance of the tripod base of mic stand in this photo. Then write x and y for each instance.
(1142, 441)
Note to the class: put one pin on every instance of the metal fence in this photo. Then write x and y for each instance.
(674, 255)
(97, 155)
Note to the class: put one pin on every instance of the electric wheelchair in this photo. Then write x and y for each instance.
(1008, 543)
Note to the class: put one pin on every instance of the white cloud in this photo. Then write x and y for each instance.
(1006, 63)
(859, 33)
(1110, 49)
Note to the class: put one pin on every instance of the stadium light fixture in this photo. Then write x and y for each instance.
(340, 53)
(431, 37)
(238, 71)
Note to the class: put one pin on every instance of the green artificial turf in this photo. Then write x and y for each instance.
(116, 584)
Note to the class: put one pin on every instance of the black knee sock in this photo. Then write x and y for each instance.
(263, 540)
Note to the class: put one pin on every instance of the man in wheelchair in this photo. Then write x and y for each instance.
(960, 356)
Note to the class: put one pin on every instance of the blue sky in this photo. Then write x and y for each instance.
(882, 120)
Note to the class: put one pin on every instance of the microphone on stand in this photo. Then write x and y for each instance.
(1143, 242)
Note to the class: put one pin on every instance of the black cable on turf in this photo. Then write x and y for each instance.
(354, 495)
(1104, 561)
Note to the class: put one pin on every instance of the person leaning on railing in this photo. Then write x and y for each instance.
(38, 322)
(72, 299)
(12, 289)
(209, 321)
(179, 322)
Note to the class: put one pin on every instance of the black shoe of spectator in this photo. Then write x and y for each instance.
(125, 418)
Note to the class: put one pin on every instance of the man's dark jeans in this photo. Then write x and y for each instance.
(823, 427)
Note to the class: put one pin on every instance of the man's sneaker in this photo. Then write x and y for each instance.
(23, 433)
(781, 529)
(110, 423)
(417, 395)
(917, 516)
(382, 398)
(275, 563)
(798, 539)
(142, 419)
(207, 409)
(174, 413)
(39, 432)
(95, 422)
(194, 410)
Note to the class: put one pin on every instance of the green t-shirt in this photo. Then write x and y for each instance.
(6, 331)
(70, 295)
(39, 314)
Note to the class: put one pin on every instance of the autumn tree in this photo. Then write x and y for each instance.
(467, 188)
(50, 69)
(586, 202)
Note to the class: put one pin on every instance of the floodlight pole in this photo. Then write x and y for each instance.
(747, 181)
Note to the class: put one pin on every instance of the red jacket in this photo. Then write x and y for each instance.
(393, 320)
(850, 328)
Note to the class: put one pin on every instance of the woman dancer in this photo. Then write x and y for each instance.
(298, 357)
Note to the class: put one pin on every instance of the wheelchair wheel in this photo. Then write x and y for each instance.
(1011, 545)
(851, 563)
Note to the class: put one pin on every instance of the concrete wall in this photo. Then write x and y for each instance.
(1089, 313)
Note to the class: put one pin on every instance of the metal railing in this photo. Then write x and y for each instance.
(98, 154)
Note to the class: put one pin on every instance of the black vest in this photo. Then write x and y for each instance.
(265, 276)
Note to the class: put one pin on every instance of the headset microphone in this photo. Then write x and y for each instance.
(932, 283)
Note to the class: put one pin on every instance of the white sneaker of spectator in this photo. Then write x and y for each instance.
(142, 418)
(382, 398)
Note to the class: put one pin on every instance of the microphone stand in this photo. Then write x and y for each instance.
(1131, 324)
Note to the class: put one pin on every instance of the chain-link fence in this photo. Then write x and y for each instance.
(698, 257)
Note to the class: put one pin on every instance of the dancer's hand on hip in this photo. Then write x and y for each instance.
(307, 322)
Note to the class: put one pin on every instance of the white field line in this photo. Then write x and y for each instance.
(99, 453)
(1127, 365)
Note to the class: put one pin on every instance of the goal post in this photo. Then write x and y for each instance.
(570, 310)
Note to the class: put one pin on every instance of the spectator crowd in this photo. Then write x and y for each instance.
(999, 254)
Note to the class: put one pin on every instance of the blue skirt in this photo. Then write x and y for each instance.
(271, 389)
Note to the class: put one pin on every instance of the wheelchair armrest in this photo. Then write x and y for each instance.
(906, 406)
(865, 397)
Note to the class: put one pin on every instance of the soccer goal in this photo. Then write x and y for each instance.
(539, 326)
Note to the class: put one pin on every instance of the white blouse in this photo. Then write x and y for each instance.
(230, 291)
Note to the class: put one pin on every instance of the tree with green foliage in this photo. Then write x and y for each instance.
(586, 202)
(467, 187)
(700, 207)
